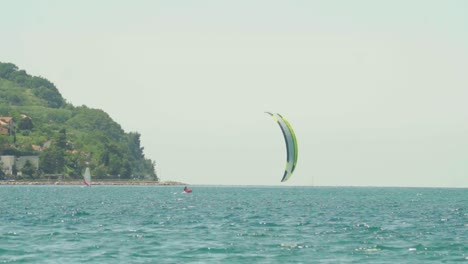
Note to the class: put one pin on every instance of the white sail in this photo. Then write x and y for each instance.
(87, 177)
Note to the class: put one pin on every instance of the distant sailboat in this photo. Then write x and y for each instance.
(87, 177)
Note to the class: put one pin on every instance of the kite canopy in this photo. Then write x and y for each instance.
(291, 145)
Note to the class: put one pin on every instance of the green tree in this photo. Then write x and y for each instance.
(47, 161)
(61, 139)
(52, 160)
(2, 173)
(134, 145)
(7, 70)
(14, 99)
(53, 98)
(74, 164)
(25, 124)
(14, 171)
(28, 170)
(100, 171)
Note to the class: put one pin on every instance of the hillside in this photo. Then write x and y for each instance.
(65, 137)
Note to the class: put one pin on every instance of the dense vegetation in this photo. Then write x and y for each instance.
(65, 137)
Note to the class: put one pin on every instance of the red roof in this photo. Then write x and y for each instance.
(6, 118)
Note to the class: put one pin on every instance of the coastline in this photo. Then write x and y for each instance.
(96, 182)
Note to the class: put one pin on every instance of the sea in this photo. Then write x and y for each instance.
(232, 224)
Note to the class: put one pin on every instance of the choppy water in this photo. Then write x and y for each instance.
(148, 224)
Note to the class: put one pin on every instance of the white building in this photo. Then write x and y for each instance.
(8, 162)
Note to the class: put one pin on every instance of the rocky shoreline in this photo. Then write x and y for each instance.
(96, 182)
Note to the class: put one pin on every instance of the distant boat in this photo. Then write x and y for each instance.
(187, 190)
(87, 177)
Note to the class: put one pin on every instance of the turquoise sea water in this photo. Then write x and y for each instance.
(153, 224)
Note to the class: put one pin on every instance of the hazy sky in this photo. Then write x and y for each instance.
(377, 91)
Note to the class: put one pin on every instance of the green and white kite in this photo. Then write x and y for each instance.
(291, 145)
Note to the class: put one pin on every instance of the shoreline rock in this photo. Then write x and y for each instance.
(96, 182)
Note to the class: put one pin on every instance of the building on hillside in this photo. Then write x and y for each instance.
(36, 148)
(8, 162)
(6, 125)
(44, 146)
(21, 161)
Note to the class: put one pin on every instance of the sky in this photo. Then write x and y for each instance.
(376, 91)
